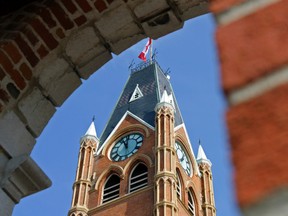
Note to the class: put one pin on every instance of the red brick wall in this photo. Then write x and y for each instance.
(141, 204)
(253, 46)
(258, 132)
(222, 5)
(29, 35)
(102, 163)
(250, 48)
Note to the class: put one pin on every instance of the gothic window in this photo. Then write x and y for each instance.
(178, 187)
(191, 204)
(111, 188)
(138, 178)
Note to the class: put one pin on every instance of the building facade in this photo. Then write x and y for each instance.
(143, 163)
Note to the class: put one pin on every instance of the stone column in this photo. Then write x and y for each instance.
(82, 183)
(165, 173)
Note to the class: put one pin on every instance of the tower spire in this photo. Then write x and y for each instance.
(205, 164)
(92, 130)
(82, 185)
(201, 156)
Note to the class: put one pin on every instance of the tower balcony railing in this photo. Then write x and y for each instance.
(143, 65)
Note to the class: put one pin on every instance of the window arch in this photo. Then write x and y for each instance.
(191, 204)
(138, 178)
(111, 188)
(178, 186)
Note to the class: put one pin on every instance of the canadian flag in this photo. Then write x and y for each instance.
(142, 55)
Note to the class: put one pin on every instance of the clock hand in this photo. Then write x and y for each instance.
(126, 143)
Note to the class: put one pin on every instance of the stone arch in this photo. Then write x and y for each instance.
(196, 195)
(195, 199)
(111, 169)
(144, 180)
(139, 158)
(170, 183)
(183, 140)
(129, 129)
(180, 183)
(47, 47)
(160, 183)
(190, 185)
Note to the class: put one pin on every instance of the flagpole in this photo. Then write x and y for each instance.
(151, 51)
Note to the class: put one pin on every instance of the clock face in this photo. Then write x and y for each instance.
(126, 146)
(183, 158)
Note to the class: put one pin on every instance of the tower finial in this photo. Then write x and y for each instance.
(93, 118)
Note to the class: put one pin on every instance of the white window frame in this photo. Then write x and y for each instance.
(191, 206)
(114, 197)
(139, 186)
(178, 187)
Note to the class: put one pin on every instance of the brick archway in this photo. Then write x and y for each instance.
(46, 48)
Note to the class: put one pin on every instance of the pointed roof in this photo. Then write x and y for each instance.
(165, 97)
(166, 100)
(201, 156)
(152, 83)
(91, 130)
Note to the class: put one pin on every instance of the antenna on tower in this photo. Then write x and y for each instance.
(131, 64)
(167, 73)
(155, 53)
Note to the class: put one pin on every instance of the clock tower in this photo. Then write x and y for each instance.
(143, 163)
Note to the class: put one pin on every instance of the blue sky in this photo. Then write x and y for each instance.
(191, 56)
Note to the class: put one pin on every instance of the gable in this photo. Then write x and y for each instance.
(120, 124)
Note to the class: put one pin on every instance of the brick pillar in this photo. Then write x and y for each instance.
(165, 173)
(252, 39)
(82, 185)
(208, 205)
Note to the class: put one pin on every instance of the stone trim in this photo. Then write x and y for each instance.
(259, 86)
(242, 10)
(275, 204)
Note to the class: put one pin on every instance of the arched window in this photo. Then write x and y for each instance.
(111, 188)
(178, 187)
(191, 204)
(138, 178)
